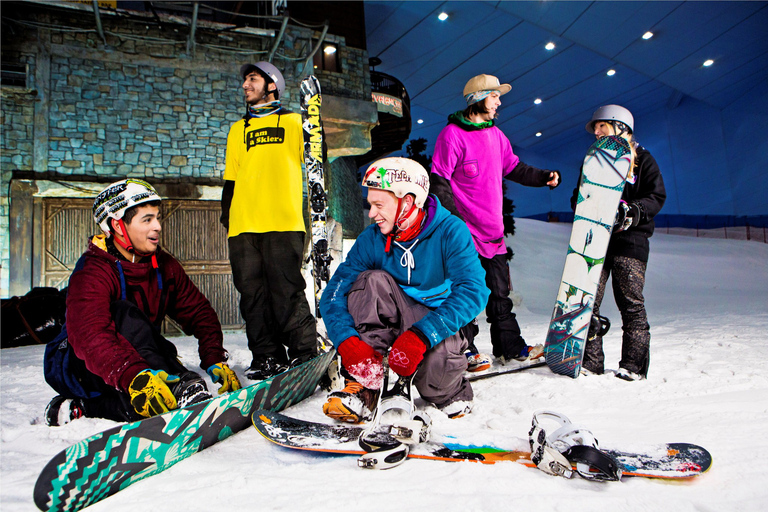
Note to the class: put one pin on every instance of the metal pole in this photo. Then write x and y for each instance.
(99, 28)
(192, 29)
(278, 39)
(308, 62)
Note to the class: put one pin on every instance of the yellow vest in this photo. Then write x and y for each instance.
(264, 160)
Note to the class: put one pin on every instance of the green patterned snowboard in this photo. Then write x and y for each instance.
(602, 182)
(105, 463)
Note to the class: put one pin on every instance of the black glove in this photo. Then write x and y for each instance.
(628, 216)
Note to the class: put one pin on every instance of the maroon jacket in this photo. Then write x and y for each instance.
(95, 284)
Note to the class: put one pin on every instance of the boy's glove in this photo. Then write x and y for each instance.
(221, 373)
(406, 353)
(150, 393)
(362, 362)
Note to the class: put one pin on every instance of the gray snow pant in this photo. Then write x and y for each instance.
(382, 311)
(628, 280)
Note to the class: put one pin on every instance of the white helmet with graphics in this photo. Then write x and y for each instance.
(612, 113)
(398, 175)
(113, 201)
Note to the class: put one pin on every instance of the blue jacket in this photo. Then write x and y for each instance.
(445, 275)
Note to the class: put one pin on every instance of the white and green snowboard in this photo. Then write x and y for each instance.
(603, 175)
(106, 463)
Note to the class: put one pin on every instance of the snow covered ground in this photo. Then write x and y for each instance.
(708, 385)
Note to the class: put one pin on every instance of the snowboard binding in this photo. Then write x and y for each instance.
(567, 447)
(598, 326)
(396, 426)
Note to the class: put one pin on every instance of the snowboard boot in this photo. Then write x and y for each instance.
(528, 353)
(265, 367)
(190, 390)
(61, 411)
(477, 362)
(627, 375)
(457, 409)
(353, 404)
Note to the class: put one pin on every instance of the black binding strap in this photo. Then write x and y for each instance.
(600, 465)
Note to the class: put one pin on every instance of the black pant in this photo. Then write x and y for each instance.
(628, 281)
(266, 268)
(505, 331)
(159, 353)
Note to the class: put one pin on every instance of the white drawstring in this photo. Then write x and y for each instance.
(406, 260)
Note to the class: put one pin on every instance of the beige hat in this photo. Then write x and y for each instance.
(485, 83)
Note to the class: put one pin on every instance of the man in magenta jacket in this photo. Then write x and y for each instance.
(471, 157)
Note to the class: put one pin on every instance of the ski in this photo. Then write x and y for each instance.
(604, 171)
(317, 199)
(108, 462)
(667, 461)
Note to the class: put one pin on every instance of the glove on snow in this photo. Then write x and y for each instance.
(407, 352)
(150, 394)
(221, 373)
(628, 216)
(362, 362)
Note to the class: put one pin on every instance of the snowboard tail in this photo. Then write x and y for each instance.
(105, 463)
(604, 172)
(670, 461)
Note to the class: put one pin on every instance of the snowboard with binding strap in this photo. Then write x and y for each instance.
(670, 461)
(601, 184)
(106, 463)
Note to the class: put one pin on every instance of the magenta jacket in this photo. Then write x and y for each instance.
(96, 283)
(474, 160)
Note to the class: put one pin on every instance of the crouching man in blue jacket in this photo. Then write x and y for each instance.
(408, 285)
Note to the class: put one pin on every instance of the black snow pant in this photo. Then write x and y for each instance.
(266, 269)
(505, 331)
(159, 353)
(628, 280)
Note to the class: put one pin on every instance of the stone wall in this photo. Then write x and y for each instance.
(144, 105)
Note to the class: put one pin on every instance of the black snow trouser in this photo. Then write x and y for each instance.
(628, 280)
(159, 353)
(505, 331)
(266, 269)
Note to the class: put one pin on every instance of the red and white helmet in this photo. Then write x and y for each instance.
(113, 201)
(398, 175)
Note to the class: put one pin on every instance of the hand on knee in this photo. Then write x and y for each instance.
(362, 362)
(407, 352)
(150, 394)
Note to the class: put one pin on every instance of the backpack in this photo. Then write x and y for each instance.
(66, 373)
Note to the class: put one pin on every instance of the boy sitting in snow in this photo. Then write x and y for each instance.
(408, 285)
(110, 360)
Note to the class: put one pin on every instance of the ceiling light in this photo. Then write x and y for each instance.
(550, 46)
(537, 101)
(538, 134)
(420, 121)
(329, 50)
(708, 62)
(442, 16)
(611, 72)
(647, 35)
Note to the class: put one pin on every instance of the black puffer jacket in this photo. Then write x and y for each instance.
(649, 194)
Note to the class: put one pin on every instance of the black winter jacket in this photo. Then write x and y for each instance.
(649, 194)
